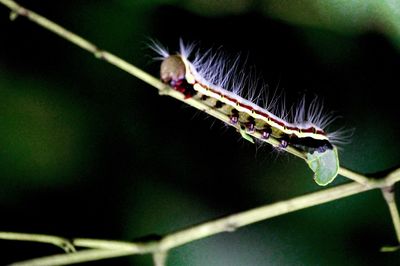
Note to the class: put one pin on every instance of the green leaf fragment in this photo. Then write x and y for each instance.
(325, 165)
(390, 248)
(246, 136)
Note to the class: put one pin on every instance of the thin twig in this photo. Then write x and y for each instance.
(108, 244)
(109, 249)
(81, 256)
(160, 258)
(354, 176)
(63, 243)
(388, 194)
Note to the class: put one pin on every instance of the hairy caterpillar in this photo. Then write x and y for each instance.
(210, 78)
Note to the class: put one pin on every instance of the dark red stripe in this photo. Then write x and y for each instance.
(250, 108)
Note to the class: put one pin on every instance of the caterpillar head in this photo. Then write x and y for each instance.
(172, 70)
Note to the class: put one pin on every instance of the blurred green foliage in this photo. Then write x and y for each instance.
(89, 151)
(43, 133)
(350, 17)
(340, 15)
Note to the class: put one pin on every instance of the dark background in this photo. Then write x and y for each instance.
(86, 150)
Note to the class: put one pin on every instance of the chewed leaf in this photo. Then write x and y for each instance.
(325, 165)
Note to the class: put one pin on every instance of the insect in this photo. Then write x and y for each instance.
(220, 84)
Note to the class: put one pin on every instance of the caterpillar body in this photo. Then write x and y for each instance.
(210, 78)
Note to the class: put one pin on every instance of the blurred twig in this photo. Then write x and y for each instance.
(101, 249)
(63, 243)
(388, 194)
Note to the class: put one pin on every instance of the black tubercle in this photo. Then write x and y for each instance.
(204, 97)
(219, 104)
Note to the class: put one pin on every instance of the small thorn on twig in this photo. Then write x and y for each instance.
(13, 15)
(99, 54)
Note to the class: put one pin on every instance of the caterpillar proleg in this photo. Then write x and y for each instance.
(211, 79)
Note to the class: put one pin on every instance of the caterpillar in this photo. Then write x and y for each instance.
(211, 79)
